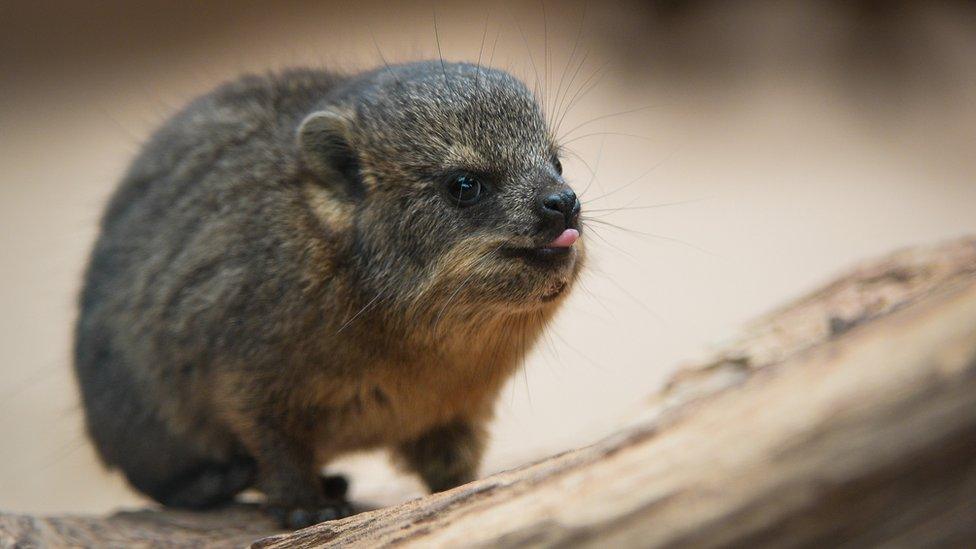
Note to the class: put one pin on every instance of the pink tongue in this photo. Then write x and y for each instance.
(565, 240)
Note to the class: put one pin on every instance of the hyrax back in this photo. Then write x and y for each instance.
(306, 264)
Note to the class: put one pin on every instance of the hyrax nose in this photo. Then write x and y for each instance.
(561, 207)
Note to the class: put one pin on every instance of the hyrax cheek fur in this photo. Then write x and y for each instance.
(305, 264)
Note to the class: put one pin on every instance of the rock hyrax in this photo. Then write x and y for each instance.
(305, 264)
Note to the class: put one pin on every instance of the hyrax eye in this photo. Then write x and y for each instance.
(465, 190)
(557, 164)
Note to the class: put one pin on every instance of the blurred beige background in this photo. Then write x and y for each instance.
(795, 136)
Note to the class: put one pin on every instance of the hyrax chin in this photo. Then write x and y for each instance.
(306, 264)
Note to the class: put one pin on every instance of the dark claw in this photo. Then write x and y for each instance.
(335, 486)
(329, 513)
(302, 518)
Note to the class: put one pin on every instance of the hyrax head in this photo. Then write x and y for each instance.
(452, 187)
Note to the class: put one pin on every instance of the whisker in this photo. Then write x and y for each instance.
(593, 177)
(494, 47)
(604, 117)
(528, 51)
(440, 56)
(559, 90)
(646, 207)
(523, 351)
(361, 311)
(629, 203)
(477, 81)
(565, 108)
(481, 51)
(625, 185)
(643, 305)
(620, 250)
(652, 235)
(577, 156)
(464, 282)
(584, 88)
(586, 289)
(383, 58)
(545, 58)
(636, 179)
(618, 134)
(580, 353)
(553, 351)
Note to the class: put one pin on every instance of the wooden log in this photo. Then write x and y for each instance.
(845, 418)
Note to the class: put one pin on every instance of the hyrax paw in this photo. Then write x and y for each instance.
(294, 518)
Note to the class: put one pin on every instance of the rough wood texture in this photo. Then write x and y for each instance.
(235, 527)
(847, 417)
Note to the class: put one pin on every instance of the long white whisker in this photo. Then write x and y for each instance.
(355, 316)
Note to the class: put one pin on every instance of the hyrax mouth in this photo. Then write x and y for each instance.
(539, 257)
(557, 252)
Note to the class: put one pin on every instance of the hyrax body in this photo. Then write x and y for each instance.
(301, 265)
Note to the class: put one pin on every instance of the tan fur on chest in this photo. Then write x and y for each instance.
(398, 402)
(393, 402)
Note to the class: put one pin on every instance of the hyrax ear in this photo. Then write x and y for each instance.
(325, 150)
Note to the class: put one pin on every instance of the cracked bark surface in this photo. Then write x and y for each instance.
(845, 417)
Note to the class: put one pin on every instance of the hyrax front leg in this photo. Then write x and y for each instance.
(288, 475)
(445, 456)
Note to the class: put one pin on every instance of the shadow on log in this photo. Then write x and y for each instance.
(847, 416)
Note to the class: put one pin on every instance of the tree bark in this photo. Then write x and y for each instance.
(845, 418)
